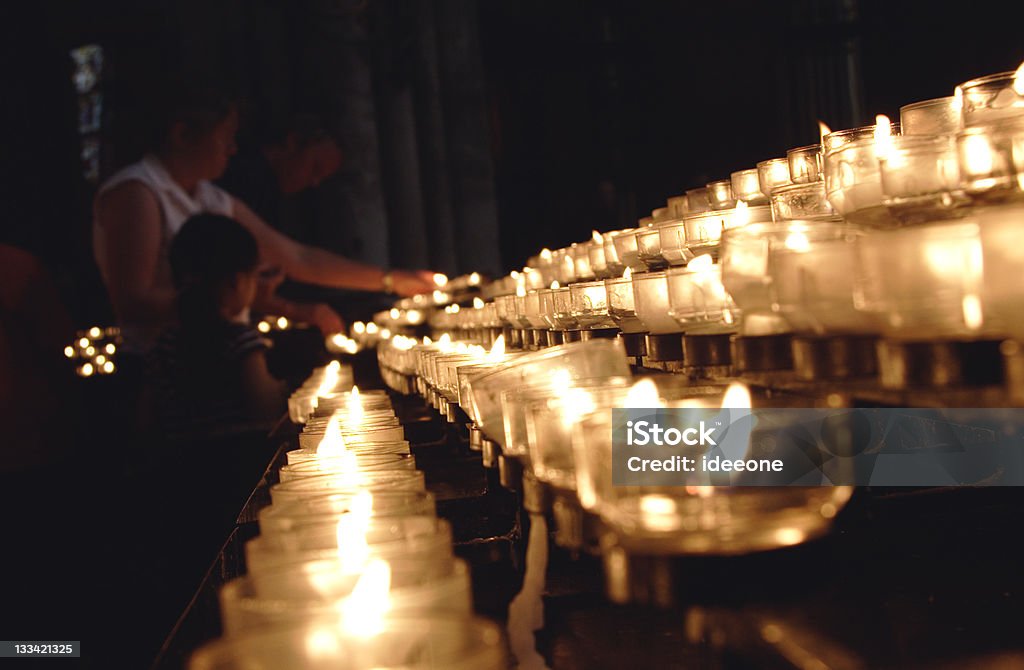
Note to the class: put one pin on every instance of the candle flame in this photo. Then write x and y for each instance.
(426, 341)
(69, 351)
(414, 316)
(95, 332)
(474, 279)
(883, 136)
(973, 315)
(332, 444)
(737, 396)
(110, 348)
(596, 237)
(445, 341)
(545, 254)
(372, 328)
(329, 380)
(353, 549)
(797, 241)
(455, 309)
(385, 333)
(560, 379)
(740, 215)
(358, 327)
(365, 609)
(575, 404)
(394, 313)
(497, 352)
(642, 395)
(440, 279)
(478, 303)
(1018, 80)
(555, 285)
(440, 296)
(823, 130)
(627, 273)
(282, 323)
(978, 155)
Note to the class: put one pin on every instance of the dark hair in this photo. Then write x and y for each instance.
(207, 252)
(198, 106)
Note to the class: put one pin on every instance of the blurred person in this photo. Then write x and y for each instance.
(139, 210)
(208, 372)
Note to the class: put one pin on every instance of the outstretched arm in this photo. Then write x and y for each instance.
(318, 266)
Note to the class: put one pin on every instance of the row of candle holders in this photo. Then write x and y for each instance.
(872, 255)
(352, 568)
(544, 420)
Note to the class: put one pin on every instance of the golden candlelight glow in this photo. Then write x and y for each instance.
(385, 334)
(263, 327)
(87, 370)
(426, 340)
(358, 327)
(95, 332)
(445, 341)
(596, 237)
(627, 273)
(365, 609)
(353, 550)
(702, 263)
(1018, 80)
(394, 313)
(322, 643)
(555, 284)
(83, 343)
(108, 367)
(456, 308)
(545, 254)
(474, 279)
(282, 323)
(497, 352)
(90, 351)
(478, 303)
(883, 136)
(560, 378)
(440, 279)
(740, 215)
(372, 329)
(414, 316)
(971, 307)
(823, 130)
(978, 155)
(69, 351)
(110, 349)
(737, 396)
(440, 296)
(642, 395)
(577, 404)
(797, 241)
(100, 360)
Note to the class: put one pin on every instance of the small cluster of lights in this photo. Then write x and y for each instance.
(342, 344)
(270, 323)
(93, 351)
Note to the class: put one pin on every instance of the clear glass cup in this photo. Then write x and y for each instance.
(698, 520)
(627, 250)
(621, 306)
(678, 206)
(598, 262)
(615, 265)
(338, 465)
(1003, 261)
(773, 174)
(648, 244)
(650, 297)
(805, 164)
(697, 200)
(939, 116)
(920, 177)
(307, 487)
(704, 231)
(371, 433)
(746, 187)
(556, 366)
(991, 160)
(840, 138)
(319, 590)
(923, 282)
(297, 456)
(802, 202)
(994, 98)
(720, 194)
(589, 302)
(426, 643)
(581, 261)
(853, 184)
(328, 508)
(673, 242)
(698, 300)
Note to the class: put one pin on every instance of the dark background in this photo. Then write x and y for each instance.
(475, 133)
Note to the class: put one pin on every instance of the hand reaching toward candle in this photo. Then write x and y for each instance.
(410, 282)
(326, 319)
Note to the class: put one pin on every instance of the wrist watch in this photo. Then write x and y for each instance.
(388, 282)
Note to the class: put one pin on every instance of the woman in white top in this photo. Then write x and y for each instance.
(139, 210)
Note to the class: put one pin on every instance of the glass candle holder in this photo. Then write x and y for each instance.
(648, 243)
(354, 435)
(581, 261)
(720, 194)
(621, 306)
(698, 300)
(836, 140)
(802, 202)
(805, 164)
(991, 99)
(659, 214)
(697, 200)
(337, 465)
(532, 310)
(319, 591)
(466, 373)
(921, 177)
(392, 538)
(991, 161)
(589, 305)
(425, 643)
(672, 242)
(746, 187)
(554, 365)
(650, 297)
(923, 282)
(704, 231)
(615, 265)
(373, 480)
(297, 456)
(563, 316)
(698, 520)
(1003, 261)
(549, 419)
(627, 250)
(744, 268)
(939, 116)
(598, 262)
(773, 174)
(328, 508)
(677, 206)
(853, 183)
